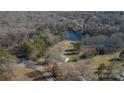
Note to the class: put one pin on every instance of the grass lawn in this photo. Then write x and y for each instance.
(99, 59)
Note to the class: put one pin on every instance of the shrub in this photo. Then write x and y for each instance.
(100, 51)
(4, 54)
(89, 53)
(29, 44)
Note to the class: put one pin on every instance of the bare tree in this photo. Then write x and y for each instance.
(7, 68)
